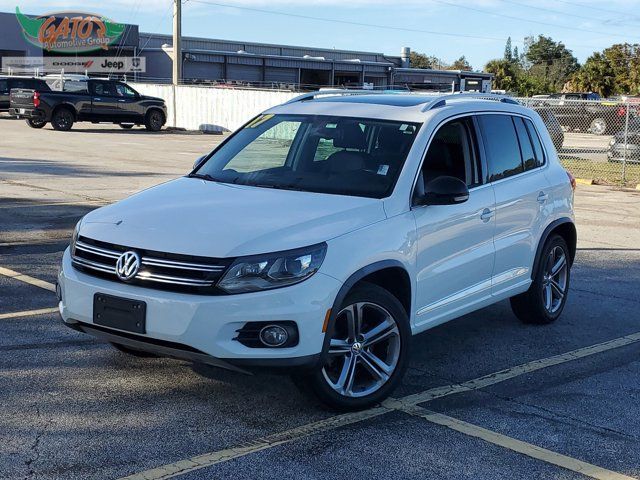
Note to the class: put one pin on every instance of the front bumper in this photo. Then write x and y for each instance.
(196, 327)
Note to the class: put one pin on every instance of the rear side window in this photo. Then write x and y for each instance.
(526, 148)
(535, 141)
(501, 145)
(4, 86)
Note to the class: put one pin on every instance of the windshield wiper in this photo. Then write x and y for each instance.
(203, 176)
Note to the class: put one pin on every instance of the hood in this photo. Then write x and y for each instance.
(155, 99)
(196, 217)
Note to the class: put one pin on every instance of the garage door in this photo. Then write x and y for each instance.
(203, 70)
(287, 75)
(245, 73)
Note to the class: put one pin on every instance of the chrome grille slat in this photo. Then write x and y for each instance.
(100, 258)
(97, 250)
(159, 262)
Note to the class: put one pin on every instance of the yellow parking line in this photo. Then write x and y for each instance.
(209, 459)
(515, 445)
(27, 313)
(206, 460)
(27, 279)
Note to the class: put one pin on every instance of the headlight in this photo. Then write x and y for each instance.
(74, 237)
(264, 272)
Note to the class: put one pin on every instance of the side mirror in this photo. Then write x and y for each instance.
(444, 190)
(199, 161)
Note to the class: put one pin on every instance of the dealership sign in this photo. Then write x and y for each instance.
(70, 32)
(119, 65)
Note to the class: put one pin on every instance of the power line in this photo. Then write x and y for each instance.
(591, 7)
(534, 7)
(520, 19)
(347, 22)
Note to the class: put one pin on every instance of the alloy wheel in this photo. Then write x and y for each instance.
(364, 350)
(554, 281)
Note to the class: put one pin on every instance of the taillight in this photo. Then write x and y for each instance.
(572, 180)
(36, 99)
(622, 112)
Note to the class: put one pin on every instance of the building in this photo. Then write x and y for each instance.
(232, 62)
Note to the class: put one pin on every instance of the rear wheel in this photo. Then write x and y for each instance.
(154, 120)
(133, 351)
(126, 126)
(62, 119)
(33, 123)
(367, 351)
(598, 126)
(547, 295)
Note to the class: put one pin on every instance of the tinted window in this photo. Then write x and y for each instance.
(4, 86)
(535, 140)
(103, 88)
(501, 144)
(526, 149)
(124, 90)
(452, 152)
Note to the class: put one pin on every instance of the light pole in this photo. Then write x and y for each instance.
(177, 41)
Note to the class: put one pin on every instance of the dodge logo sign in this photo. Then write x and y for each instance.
(127, 265)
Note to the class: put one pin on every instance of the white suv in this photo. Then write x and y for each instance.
(325, 233)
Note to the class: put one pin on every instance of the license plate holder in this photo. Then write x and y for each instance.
(22, 111)
(120, 313)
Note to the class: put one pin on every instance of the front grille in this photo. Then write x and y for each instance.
(166, 271)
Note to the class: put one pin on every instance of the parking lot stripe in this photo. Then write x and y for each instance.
(27, 279)
(509, 373)
(408, 402)
(27, 313)
(515, 445)
(209, 459)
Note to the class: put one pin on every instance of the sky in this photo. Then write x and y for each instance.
(447, 29)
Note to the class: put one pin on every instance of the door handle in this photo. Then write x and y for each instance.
(122, 101)
(97, 99)
(486, 215)
(543, 197)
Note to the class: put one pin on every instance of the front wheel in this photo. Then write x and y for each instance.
(547, 295)
(367, 353)
(33, 123)
(62, 119)
(154, 121)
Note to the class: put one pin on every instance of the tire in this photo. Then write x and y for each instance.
(534, 306)
(35, 123)
(334, 382)
(598, 126)
(62, 119)
(154, 121)
(132, 351)
(126, 126)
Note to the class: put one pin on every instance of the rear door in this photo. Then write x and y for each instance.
(104, 103)
(522, 198)
(455, 242)
(4, 94)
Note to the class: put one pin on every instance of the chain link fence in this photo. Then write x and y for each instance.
(595, 139)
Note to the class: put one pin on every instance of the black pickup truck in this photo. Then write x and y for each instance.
(101, 101)
(8, 83)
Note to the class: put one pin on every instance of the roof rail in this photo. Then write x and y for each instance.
(442, 100)
(334, 91)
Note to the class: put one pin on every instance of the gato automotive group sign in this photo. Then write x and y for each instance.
(70, 32)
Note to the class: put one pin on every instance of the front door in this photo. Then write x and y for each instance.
(455, 242)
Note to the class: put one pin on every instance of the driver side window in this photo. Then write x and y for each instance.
(453, 152)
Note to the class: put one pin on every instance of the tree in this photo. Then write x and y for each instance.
(615, 70)
(508, 52)
(549, 62)
(506, 74)
(461, 64)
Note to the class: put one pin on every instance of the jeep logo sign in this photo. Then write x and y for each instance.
(121, 65)
(70, 32)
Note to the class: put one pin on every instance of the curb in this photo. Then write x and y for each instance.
(584, 181)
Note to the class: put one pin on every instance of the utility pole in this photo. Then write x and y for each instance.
(177, 41)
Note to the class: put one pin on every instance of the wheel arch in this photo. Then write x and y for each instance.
(65, 106)
(155, 107)
(391, 275)
(567, 230)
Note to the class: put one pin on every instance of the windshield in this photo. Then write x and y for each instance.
(314, 153)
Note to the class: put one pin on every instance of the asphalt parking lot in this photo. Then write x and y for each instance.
(485, 396)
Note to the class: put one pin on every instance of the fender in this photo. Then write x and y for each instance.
(344, 291)
(543, 239)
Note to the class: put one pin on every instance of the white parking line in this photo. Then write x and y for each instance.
(27, 279)
(405, 403)
(515, 445)
(27, 313)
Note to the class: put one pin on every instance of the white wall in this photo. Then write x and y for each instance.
(212, 109)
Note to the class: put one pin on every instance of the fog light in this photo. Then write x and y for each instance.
(274, 335)
(58, 292)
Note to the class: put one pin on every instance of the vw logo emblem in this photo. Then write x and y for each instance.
(127, 265)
